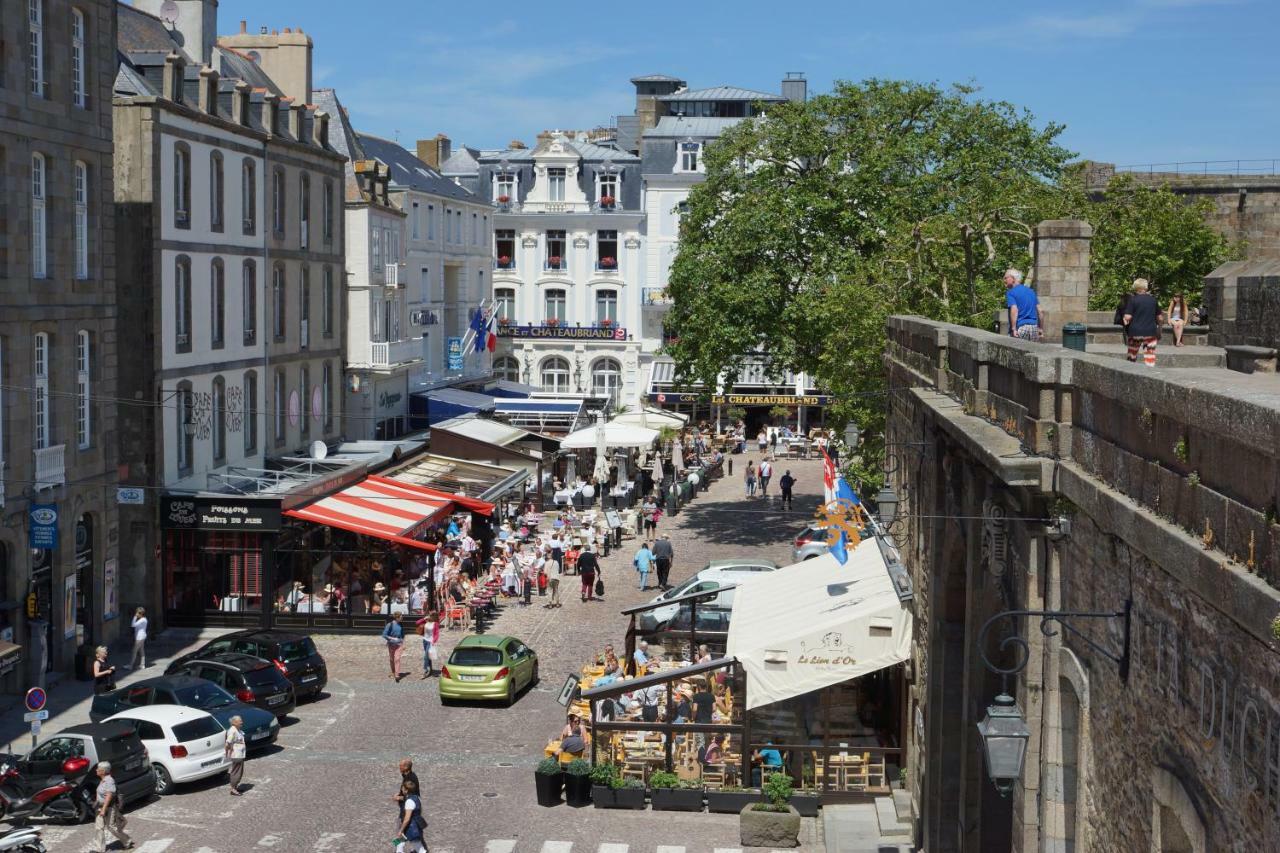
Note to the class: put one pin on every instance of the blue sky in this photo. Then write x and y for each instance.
(1134, 81)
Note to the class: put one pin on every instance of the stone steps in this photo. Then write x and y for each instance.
(887, 816)
(866, 828)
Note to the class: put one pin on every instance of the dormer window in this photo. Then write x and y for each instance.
(608, 191)
(689, 156)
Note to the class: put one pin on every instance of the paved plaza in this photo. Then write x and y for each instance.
(327, 785)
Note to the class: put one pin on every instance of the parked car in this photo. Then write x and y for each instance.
(254, 681)
(42, 768)
(809, 543)
(712, 613)
(488, 667)
(261, 728)
(184, 744)
(294, 655)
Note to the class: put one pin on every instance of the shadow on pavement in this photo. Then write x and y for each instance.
(747, 521)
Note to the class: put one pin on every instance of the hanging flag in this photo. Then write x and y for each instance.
(477, 326)
(828, 478)
(491, 332)
(846, 520)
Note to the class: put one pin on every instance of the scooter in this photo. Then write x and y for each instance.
(23, 840)
(63, 798)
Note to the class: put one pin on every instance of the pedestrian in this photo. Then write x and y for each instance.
(429, 628)
(750, 477)
(587, 567)
(787, 483)
(109, 817)
(234, 749)
(643, 561)
(412, 824)
(762, 441)
(663, 555)
(1143, 319)
(773, 444)
(393, 636)
(647, 510)
(406, 774)
(766, 474)
(139, 625)
(1178, 317)
(553, 569)
(104, 677)
(1026, 318)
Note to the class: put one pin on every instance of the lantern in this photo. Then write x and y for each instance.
(1004, 742)
(887, 502)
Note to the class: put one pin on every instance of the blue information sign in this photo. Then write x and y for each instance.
(454, 350)
(44, 525)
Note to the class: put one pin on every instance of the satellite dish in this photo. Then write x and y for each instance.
(319, 450)
(169, 12)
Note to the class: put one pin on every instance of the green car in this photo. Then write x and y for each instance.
(488, 667)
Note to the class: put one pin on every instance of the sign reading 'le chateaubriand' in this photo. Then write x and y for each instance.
(741, 399)
(577, 333)
(192, 512)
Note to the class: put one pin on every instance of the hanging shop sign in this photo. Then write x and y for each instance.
(574, 333)
(43, 525)
(198, 512)
(454, 349)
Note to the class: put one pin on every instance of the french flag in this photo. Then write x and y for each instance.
(828, 478)
(491, 332)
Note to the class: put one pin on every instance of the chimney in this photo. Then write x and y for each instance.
(270, 114)
(296, 114)
(240, 103)
(208, 91)
(285, 57)
(435, 151)
(321, 127)
(174, 70)
(516, 145)
(794, 87)
(244, 27)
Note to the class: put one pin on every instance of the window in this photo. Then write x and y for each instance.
(506, 189)
(506, 367)
(250, 412)
(278, 302)
(249, 196)
(216, 191)
(326, 395)
(431, 222)
(304, 391)
(475, 229)
(426, 284)
(35, 26)
(393, 318)
(457, 237)
(555, 375)
(279, 406)
(504, 248)
(82, 219)
(39, 222)
(304, 210)
(219, 419)
(608, 190)
(555, 250)
(326, 304)
(78, 91)
(83, 360)
(504, 303)
(413, 220)
(377, 318)
(555, 303)
(304, 315)
(606, 250)
(606, 377)
(40, 416)
(249, 302)
(378, 273)
(182, 304)
(217, 304)
(181, 185)
(555, 184)
(391, 239)
(185, 413)
(689, 156)
(326, 213)
(277, 201)
(606, 307)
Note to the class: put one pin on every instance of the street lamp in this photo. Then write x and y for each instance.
(852, 435)
(1004, 742)
(887, 503)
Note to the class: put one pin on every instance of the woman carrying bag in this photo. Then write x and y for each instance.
(429, 631)
(104, 677)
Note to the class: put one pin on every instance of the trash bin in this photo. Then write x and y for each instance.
(1075, 336)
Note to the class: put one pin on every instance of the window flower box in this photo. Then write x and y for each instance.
(608, 263)
(607, 201)
(504, 262)
(606, 323)
(552, 322)
(504, 199)
(504, 321)
(554, 262)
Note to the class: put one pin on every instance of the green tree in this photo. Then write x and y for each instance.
(818, 221)
(1153, 233)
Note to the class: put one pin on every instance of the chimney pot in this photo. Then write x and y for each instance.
(244, 26)
(287, 30)
(262, 31)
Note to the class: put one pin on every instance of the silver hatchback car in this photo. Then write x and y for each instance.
(809, 543)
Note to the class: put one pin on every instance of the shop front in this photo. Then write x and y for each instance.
(756, 397)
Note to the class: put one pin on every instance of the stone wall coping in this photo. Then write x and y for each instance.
(988, 443)
(1058, 229)
(1250, 351)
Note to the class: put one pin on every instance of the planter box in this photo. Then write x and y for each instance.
(549, 787)
(617, 798)
(769, 829)
(730, 802)
(676, 799)
(577, 790)
(806, 803)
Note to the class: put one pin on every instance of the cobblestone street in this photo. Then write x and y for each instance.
(326, 786)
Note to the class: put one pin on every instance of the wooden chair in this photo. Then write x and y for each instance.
(635, 769)
(874, 770)
(855, 774)
(713, 775)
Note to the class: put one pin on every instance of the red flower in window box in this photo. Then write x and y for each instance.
(504, 321)
(504, 261)
(553, 321)
(608, 263)
(504, 199)
(553, 262)
(606, 322)
(607, 201)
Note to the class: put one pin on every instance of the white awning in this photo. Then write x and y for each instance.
(818, 623)
(651, 419)
(615, 435)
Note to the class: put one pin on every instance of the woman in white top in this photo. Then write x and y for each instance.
(139, 625)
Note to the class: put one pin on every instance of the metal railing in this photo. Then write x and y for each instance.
(1227, 168)
(51, 467)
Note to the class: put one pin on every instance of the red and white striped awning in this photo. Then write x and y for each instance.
(379, 507)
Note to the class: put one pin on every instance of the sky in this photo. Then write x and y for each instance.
(1135, 81)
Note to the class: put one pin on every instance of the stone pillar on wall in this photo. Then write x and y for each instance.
(1061, 273)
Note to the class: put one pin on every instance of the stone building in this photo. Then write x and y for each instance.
(1032, 477)
(59, 566)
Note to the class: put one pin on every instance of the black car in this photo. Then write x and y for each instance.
(254, 681)
(294, 655)
(260, 727)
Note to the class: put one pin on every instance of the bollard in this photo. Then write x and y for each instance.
(729, 459)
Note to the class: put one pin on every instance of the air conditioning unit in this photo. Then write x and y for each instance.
(391, 276)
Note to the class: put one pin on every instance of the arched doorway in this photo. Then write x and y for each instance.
(1176, 825)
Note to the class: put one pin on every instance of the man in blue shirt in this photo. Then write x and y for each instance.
(644, 562)
(1026, 320)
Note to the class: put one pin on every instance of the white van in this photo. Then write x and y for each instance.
(713, 613)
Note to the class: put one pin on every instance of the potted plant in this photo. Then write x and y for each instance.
(504, 199)
(774, 823)
(549, 780)
(603, 776)
(504, 321)
(553, 262)
(628, 794)
(606, 322)
(731, 799)
(735, 413)
(805, 802)
(669, 793)
(608, 263)
(553, 321)
(577, 783)
(607, 201)
(504, 262)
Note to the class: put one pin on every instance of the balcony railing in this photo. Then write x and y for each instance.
(390, 353)
(51, 467)
(655, 296)
(391, 277)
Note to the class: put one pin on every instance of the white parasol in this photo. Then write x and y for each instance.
(602, 455)
(677, 456)
(657, 468)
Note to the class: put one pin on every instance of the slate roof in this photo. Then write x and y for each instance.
(138, 32)
(342, 138)
(463, 161)
(656, 78)
(235, 65)
(408, 171)
(696, 127)
(586, 150)
(721, 93)
(130, 82)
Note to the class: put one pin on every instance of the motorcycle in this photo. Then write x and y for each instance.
(65, 796)
(23, 840)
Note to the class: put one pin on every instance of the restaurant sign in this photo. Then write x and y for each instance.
(576, 333)
(673, 397)
(199, 512)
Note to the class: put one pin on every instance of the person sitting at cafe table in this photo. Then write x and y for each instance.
(765, 762)
(713, 753)
(641, 657)
(571, 737)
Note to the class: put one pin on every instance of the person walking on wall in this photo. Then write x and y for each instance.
(393, 636)
(663, 554)
(588, 565)
(139, 625)
(1143, 319)
(553, 570)
(643, 562)
(773, 444)
(429, 628)
(1026, 319)
(786, 484)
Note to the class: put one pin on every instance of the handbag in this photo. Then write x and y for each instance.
(421, 630)
(599, 587)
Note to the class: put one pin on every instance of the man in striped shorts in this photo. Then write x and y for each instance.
(1142, 321)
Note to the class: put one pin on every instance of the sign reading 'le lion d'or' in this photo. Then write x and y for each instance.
(828, 650)
(210, 513)
(577, 333)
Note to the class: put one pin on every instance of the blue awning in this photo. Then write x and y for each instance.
(541, 415)
(505, 388)
(444, 403)
(537, 407)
